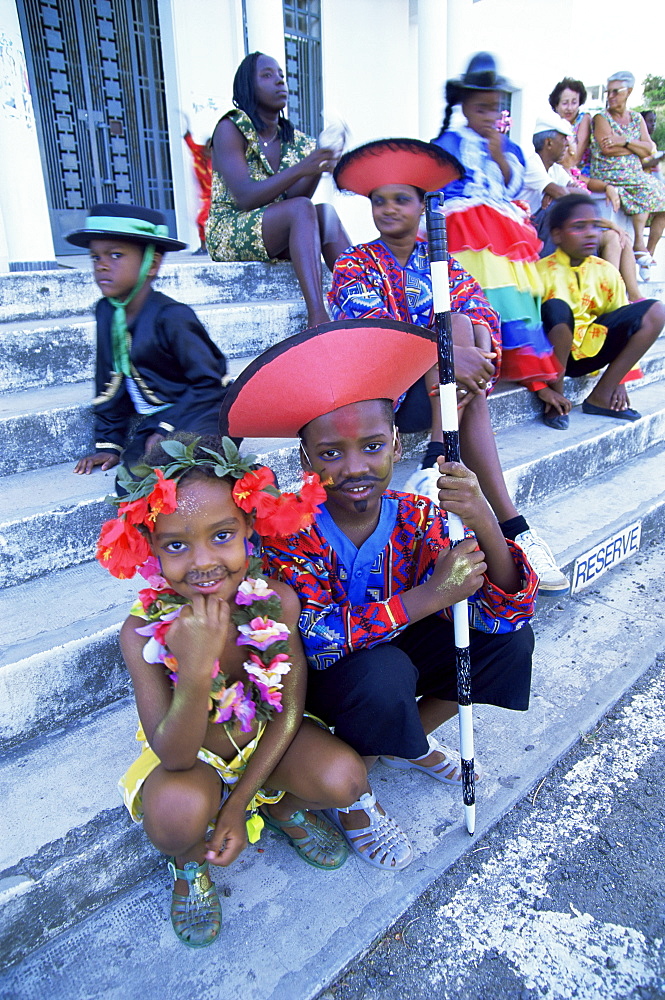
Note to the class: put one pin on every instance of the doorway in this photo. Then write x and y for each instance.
(97, 81)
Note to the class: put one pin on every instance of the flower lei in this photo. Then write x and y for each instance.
(257, 609)
(123, 549)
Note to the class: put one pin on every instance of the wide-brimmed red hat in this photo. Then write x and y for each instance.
(396, 161)
(321, 369)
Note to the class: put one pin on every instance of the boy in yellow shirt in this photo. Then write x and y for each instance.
(587, 317)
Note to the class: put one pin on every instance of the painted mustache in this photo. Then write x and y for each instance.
(365, 481)
(217, 574)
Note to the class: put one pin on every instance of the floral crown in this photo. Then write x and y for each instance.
(151, 490)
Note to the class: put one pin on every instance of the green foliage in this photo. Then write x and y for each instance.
(141, 481)
(659, 131)
(654, 90)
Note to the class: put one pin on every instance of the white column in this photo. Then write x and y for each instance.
(23, 205)
(432, 65)
(265, 29)
(197, 86)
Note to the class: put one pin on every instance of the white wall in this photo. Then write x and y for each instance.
(25, 227)
(538, 42)
(384, 66)
(370, 80)
(202, 46)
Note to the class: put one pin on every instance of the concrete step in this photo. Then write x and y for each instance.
(42, 424)
(79, 609)
(61, 636)
(50, 519)
(60, 350)
(70, 852)
(37, 295)
(71, 291)
(511, 404)
(539, 462)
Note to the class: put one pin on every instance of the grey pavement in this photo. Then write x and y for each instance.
(290, 931)
(564, 898)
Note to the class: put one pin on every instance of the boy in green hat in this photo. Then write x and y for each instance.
(154, 358)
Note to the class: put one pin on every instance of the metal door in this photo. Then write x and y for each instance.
(97, 82)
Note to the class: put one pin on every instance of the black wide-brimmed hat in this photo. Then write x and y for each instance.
(396, 161)
(481, 74)
(133, 223)
(321, 369)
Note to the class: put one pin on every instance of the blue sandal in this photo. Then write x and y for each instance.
(196, 917)
(322, 846)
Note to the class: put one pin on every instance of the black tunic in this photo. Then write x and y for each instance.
(174, 362)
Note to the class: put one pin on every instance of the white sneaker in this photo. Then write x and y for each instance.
(423, 482)
(551, 581)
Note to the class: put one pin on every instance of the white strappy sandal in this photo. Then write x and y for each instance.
(382, 843)
(448, 771)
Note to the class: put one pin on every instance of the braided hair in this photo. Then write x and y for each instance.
(244, 97)
(454, 95)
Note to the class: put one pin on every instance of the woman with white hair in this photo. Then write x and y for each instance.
(619, 144)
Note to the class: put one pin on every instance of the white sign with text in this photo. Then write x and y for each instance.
(603, 556)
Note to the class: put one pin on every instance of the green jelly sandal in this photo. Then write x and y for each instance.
(196, 917)
(322, 846)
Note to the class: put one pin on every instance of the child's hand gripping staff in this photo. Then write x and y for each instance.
(438, 257)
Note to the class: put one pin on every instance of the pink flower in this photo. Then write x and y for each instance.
(154, 650)
(262, 632)
(244, 711)
(152, 572)
(227, 699)
(270, 675)
(270, 695)
(253, 590)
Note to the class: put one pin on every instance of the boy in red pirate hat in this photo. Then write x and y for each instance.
(154, 357)
(375, 572)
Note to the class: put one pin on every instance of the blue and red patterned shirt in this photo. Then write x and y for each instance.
(369, 283)
(351, 598)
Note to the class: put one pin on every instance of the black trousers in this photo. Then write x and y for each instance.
(621, 324)
(370, 696)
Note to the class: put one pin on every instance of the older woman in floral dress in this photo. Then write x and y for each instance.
(619, 144)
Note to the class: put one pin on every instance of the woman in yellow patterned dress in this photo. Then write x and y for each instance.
(264, 175)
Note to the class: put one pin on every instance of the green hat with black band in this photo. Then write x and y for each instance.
(133, 223)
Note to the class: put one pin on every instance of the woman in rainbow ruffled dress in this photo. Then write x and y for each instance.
(488, 233)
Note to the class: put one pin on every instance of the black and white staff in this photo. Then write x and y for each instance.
(438, 255)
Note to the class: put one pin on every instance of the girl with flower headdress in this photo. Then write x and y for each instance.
(218, 671)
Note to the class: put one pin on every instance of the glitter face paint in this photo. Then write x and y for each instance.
(201, 546)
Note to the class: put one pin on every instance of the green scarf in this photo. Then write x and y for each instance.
(120, 337)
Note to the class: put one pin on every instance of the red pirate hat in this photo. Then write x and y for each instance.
(396, 161)
(321, 369)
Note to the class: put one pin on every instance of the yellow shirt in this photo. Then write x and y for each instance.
(591, 289)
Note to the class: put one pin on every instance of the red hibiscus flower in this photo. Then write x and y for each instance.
(249, 493)
(121, 548)
(135, 511)
(162, 499)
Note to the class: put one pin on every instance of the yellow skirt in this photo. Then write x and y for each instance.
(132, 780)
